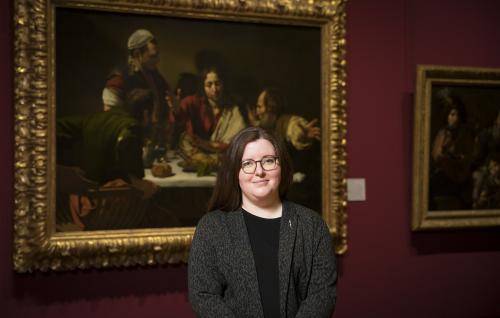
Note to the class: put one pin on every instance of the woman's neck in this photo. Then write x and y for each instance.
(267, 210)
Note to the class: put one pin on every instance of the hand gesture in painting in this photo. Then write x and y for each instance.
(312, 131)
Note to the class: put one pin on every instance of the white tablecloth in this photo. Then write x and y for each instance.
(180, 178)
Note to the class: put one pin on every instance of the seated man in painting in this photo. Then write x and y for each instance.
(209, 120)
(105, 150)
(269, 114)
(301, 137)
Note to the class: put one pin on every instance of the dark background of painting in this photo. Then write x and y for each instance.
(90, 44)
(388, 270)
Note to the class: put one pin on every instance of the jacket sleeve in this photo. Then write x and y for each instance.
(321, 293)
(206, 283)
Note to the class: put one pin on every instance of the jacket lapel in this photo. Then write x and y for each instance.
(288, 231)
(247, 269)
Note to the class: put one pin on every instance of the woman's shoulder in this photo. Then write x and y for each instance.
(211, 217)
(301, 209)
(214, 221)
(313, 228)
(305, 214)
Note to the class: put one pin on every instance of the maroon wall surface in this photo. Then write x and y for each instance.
(388, 271)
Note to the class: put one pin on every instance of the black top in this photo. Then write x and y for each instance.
(264, 238)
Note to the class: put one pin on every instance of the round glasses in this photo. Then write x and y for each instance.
(267, 163)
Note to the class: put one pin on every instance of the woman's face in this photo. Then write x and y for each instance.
(262, 185)
(213, 86)
(453, 118)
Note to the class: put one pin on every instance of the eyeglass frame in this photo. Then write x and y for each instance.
(276, 163)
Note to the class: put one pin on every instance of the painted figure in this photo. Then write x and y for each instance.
(301, 138)
(486, 193)
(208, 121)
(142, 74)
(452, 151)
(269, 114)
(101, 152)
(488, 141)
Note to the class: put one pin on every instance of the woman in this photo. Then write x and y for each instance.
(257, 255)
(209, 121)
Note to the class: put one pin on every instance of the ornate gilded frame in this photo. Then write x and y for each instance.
(37, 246)
(427, 77)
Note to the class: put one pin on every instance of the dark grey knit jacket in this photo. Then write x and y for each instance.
(222, 275)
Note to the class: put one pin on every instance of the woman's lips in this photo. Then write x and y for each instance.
(260, 181)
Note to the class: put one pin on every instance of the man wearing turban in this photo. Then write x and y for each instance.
(141, 78)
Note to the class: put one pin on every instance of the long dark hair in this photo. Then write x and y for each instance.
(227, 192)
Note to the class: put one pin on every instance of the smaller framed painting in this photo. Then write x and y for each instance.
(456, 158)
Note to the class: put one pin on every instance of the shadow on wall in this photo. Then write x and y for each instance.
(48, 288)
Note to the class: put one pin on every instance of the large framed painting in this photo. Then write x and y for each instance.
(456, 159)
(123, 110)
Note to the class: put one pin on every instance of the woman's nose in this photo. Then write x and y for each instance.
(258, 170)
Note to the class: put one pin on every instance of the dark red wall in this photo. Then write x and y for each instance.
(388, 271)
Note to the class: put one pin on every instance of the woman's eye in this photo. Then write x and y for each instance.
(268, 160)
(246, 164)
